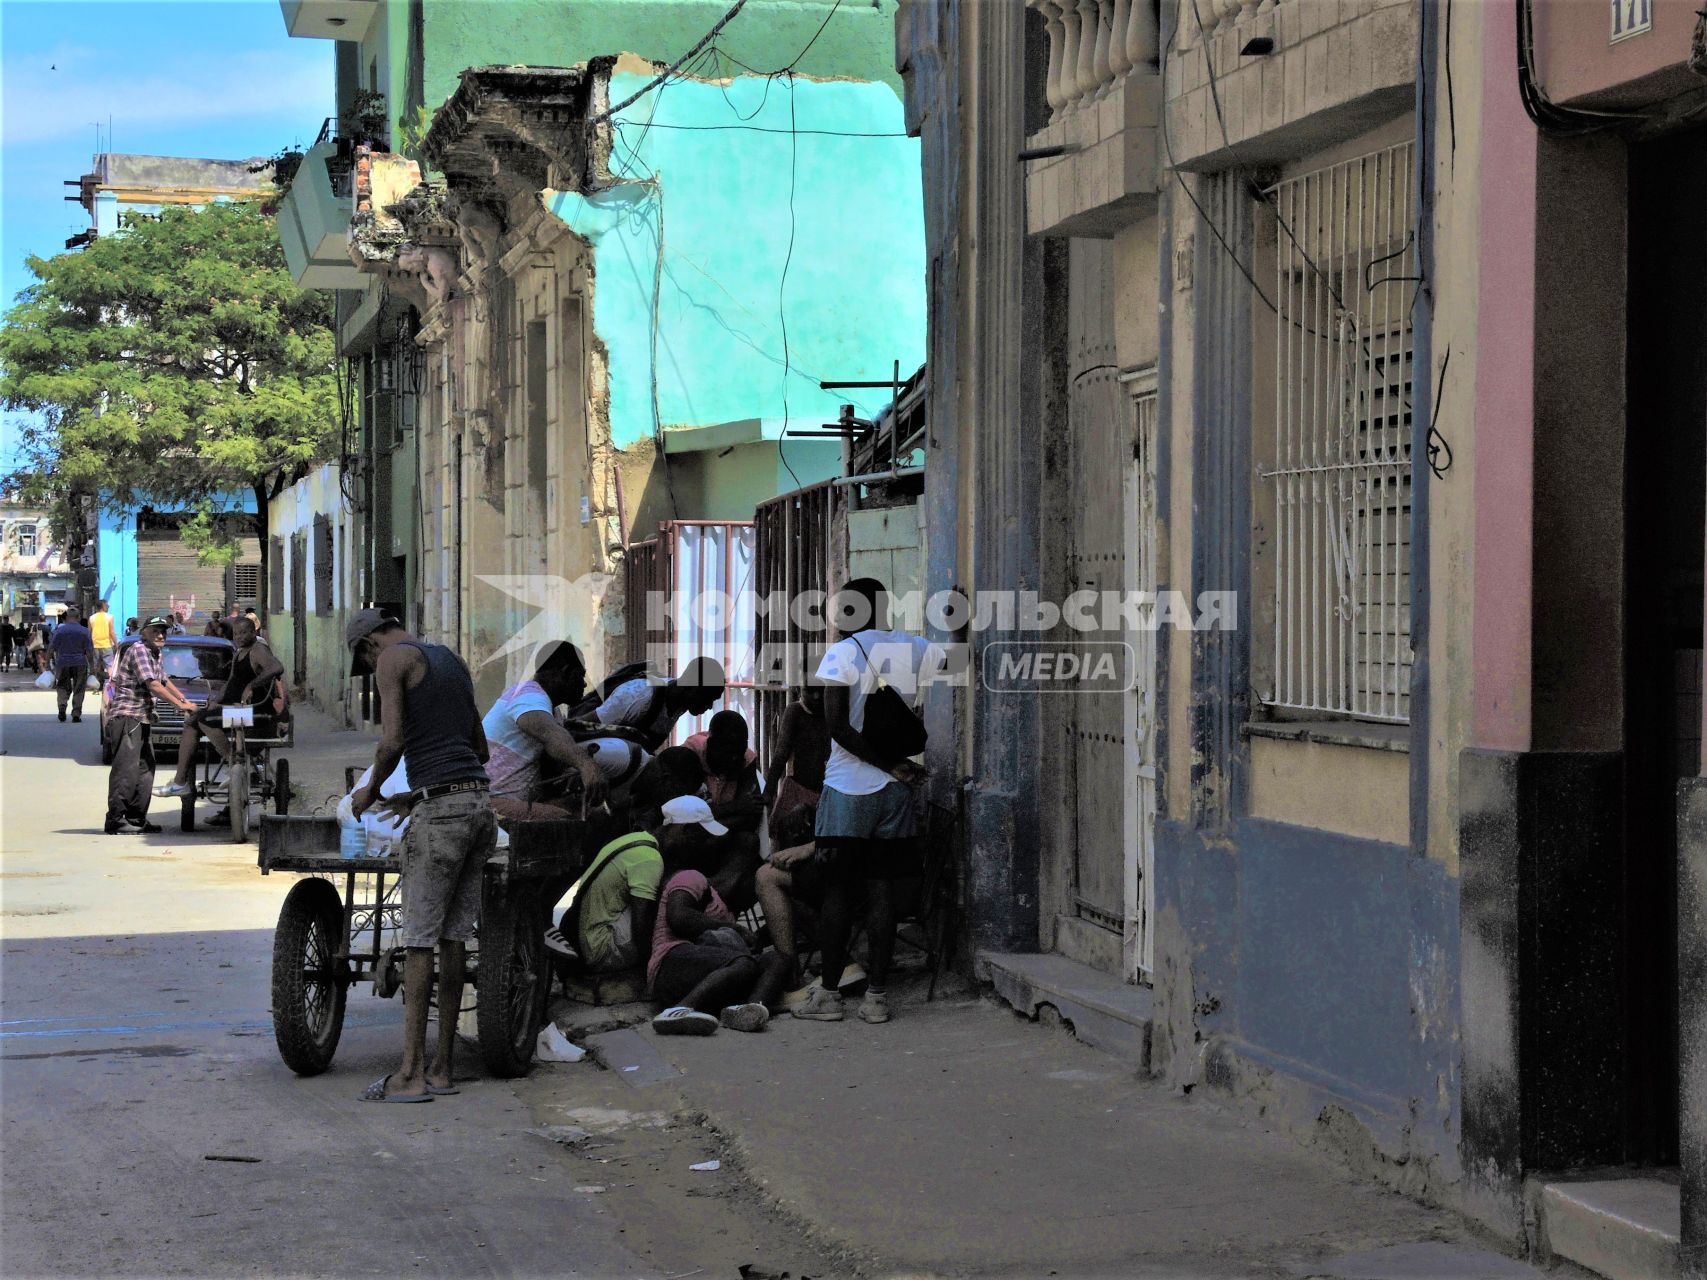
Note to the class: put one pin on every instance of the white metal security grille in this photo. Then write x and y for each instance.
(1341, 465)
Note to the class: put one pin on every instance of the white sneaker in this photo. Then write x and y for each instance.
(746, 1017)
(875, 1007)
(683, 1021)
(820, 1006)
(174, 790)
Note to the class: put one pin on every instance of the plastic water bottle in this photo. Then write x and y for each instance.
(378, 836)
(352, 831)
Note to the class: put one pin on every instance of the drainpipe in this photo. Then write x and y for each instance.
(1422, 416)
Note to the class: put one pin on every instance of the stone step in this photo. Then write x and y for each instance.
(1621, 1228)
(1103, 1011)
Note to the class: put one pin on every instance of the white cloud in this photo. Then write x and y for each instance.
(43, 104)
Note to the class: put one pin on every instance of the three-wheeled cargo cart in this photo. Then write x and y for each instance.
(326, 941)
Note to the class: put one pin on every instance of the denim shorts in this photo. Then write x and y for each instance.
(882, 815)
(445, 849)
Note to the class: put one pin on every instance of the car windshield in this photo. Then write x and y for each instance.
(196, 662)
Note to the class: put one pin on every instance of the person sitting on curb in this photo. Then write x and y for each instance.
(609, 889)
(734, 788)
(703, 968)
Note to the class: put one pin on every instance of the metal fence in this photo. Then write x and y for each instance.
(798, 549)
(688, 595)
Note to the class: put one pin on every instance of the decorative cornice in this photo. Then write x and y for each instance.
(511, 131)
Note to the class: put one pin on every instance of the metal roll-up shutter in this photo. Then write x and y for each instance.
(168, 573)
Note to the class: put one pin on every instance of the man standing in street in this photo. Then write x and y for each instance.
(72, 654)
(865, 824)
(101, 635)
(137, 681)
(8, 633)
(428, 717)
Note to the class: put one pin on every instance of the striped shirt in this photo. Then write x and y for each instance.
(137, 665)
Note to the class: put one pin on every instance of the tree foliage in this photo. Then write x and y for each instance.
(174, 364)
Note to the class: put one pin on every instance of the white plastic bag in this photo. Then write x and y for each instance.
(554, 1046)
(45, 680)
(92, 683)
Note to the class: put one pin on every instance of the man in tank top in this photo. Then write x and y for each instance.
(428, 715)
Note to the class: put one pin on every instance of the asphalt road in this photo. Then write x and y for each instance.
(148, 1126)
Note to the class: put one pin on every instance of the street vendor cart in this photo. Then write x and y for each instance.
(327, 941)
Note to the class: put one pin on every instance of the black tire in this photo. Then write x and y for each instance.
(187, 813)
(281, 787)
(309, 982)
(237, 780)
(512, 979)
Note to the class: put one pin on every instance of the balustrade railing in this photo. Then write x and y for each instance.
(1216, 15)
(1093, 44)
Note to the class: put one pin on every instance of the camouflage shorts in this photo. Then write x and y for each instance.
(445, 849)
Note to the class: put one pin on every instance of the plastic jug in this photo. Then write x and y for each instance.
(352, 831)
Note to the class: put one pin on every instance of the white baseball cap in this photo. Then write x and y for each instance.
(687, 811)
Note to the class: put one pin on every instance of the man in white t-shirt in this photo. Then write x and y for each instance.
(865, 824)
(522, 731)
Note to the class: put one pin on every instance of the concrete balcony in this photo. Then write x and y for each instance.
(329, 19)
(1104, 101)
(314, 225)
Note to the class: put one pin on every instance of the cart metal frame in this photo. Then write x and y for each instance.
(327, 942)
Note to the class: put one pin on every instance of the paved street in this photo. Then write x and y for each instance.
(149, 1127)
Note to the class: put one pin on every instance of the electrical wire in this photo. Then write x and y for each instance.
(782, 284)
(669, 71)
(1185, 187)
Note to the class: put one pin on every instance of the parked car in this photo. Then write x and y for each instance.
(198, 665)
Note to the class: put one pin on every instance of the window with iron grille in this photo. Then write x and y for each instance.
(322, 565)
(1339, 464)
(243, 583)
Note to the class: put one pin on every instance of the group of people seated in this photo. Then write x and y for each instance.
(687, 839)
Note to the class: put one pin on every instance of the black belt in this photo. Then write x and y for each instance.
(446, 789)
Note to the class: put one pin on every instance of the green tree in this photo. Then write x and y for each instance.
(174, 364)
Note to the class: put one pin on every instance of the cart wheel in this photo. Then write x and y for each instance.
(187, 814)
(281, 787)
(309, 981)
(237, 778)
(511, 979)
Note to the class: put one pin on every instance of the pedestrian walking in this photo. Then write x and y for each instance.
(8, 634)
(101, 635)
(33, 647)
(428, 717)
(137, 681)
(72, 653)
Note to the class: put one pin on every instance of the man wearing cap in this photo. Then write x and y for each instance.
(703, 968)
(137, 680)
(428, 716)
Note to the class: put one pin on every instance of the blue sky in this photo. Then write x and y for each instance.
(215, 78)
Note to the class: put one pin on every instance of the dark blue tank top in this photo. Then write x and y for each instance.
(439, 720)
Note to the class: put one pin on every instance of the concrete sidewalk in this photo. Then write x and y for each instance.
(960, 1139)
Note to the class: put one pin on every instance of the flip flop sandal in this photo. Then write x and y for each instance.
(437, 1092)
(375, 1092)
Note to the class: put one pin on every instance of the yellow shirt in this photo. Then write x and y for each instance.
(101, 630)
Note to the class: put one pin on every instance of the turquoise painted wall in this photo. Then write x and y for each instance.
(710, 169)
(859, 42)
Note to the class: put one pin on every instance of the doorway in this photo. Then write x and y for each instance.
(1665, 527)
